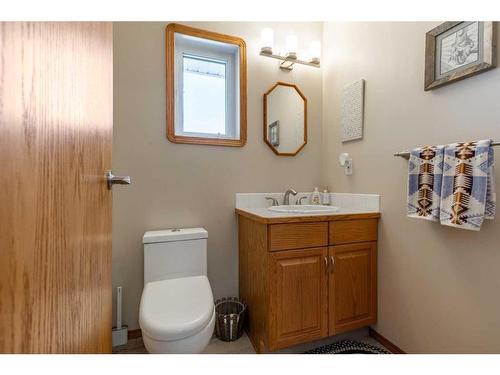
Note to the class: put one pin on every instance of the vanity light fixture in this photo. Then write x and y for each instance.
(315, 51)
(267, 40)
(291, 47)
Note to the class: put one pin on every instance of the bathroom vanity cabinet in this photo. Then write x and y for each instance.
(307, 277)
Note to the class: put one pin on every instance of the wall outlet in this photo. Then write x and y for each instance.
(346, 162)
(348, 167)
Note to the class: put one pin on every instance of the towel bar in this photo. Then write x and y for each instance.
(406, 154)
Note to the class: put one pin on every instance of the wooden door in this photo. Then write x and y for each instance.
(56, 119)
(299, 296)
(352, 286)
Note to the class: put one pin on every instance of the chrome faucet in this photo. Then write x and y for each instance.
(286, 198)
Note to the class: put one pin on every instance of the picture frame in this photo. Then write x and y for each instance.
(458, 50)
(274, 133)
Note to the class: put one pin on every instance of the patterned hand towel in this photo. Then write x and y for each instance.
(425, 171)
(468, 192)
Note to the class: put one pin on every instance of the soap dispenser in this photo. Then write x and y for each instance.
(316, 198)
(325, 197)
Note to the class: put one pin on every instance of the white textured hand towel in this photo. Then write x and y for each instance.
(468, 192)
(425, 170)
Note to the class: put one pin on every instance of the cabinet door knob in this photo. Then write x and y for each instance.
(332, 261)
(326, 265)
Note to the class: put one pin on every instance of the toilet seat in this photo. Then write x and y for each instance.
(175, 309)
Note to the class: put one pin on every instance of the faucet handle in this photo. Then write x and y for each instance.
(274, 200)
(299, 201)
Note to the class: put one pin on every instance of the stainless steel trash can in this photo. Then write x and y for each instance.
(229, 318)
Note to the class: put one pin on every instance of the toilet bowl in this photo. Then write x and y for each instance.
(177, 313)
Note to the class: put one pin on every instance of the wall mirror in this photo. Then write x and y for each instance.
(206, 87)
(285, 119)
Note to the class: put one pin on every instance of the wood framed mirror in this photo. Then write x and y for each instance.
(285, 119)
(206, 87)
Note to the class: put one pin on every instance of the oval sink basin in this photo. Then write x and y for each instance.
(304, 209)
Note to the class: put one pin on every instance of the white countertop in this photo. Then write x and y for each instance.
(256, 206)
(265, 213)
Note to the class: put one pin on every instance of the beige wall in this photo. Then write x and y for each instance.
(178, 185)
(438, 286)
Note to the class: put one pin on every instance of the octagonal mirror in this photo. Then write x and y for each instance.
(285, 119)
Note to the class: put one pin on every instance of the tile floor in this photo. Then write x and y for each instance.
(243, 345)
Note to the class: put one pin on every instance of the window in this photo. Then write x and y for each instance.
(204, 97)
(206, 87)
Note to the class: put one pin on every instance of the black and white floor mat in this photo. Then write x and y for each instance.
(348, 347)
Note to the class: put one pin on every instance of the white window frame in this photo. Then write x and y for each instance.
(218, 52)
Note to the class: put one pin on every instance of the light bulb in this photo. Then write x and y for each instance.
(292, 45)
(315, 51)
(266, 40)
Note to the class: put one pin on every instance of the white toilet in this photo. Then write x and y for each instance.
(177, 313)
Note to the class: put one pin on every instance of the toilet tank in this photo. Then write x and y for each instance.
(174, 253)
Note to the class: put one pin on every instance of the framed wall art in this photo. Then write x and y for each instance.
(457, 50)
(352, 111)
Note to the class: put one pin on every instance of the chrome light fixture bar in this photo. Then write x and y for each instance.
(287, 62)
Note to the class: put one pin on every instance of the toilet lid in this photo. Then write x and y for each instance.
(176, 308)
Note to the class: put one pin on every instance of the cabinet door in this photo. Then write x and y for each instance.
(299, 296)
(352, 286)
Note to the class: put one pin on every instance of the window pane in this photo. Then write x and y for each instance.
(204, 96)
